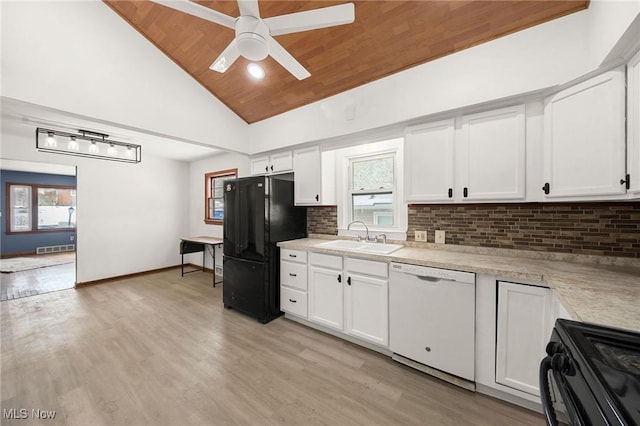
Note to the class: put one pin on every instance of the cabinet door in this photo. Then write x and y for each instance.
(307, 167)
(522, 333)
(367, 308)
(584, 144)
(428, 162)
(491, 163)
(633, 124)
(326, 297)
(260, 165)
(281, 162)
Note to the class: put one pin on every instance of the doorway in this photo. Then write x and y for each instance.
(38, 250)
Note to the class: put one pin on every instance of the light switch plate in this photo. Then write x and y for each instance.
(440, 237)
(421, 236)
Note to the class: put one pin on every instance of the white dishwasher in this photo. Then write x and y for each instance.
(432, 318)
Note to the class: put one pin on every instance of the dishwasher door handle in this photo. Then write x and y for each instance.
(432, 279)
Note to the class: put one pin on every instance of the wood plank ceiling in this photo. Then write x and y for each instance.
(386, 37)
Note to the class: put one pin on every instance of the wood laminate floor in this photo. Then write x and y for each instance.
(161, 350)
(41, 280)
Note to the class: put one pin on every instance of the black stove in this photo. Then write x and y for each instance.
(593, 373)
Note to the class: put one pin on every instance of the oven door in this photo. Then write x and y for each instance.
(562, 395)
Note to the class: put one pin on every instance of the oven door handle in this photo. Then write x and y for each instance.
(545, 394)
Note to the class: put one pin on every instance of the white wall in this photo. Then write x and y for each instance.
(197, 226)
(131, 216)
(82, 58)
(608, 19)
(543, 56)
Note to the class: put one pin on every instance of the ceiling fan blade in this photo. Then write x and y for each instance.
(226, 58)
(311, 19)
(249, 7)
(284, 58)
(200, 11)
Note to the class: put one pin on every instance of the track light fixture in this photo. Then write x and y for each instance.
(87, 144)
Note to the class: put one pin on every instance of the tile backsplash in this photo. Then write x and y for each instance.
(322, 220)
(602, 228)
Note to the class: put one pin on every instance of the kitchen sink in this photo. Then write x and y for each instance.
(361, 247)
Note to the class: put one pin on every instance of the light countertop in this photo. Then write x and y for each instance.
(599, 294)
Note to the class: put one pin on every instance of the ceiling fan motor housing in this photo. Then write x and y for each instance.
(251, 38)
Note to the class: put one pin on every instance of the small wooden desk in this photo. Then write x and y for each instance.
(199, 244)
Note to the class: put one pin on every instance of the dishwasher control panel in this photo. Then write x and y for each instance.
(426, 271)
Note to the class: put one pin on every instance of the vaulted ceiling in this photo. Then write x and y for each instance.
(386, 37)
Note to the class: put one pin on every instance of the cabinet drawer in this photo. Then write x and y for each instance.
(367, 267)
(325, 260)
(293, 255)
(293, 301)
(293, 275)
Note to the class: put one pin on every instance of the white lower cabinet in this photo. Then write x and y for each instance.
(326, 294)
(524, 323)
(367, 301)
(350, 295)
(293, 282)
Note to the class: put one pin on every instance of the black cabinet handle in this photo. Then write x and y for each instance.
(349, 280)
(626, 181)
(292, 275)
(272, 167)
(293, 255)
(545, 188)
(317, 197)
(293, 301)
(339, 278)
(465, 192)
(266, 168)
(450, 192)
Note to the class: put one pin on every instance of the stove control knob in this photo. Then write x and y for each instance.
(554, 348)
(561, 363)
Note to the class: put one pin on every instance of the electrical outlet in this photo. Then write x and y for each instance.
(71, 238)
(421, 236)
(439, 237)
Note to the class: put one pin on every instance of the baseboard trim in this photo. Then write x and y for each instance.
(338, 334)
(20, 254)
(450, 378)
(125, 276)
(504, 396)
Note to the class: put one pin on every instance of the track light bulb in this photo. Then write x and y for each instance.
(51, 140)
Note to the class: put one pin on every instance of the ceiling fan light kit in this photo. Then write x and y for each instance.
(255, 71)
(254, 35)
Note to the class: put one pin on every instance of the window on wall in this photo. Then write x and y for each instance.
(19, 208)
(39, 208)
(214, 195)
(372, 189)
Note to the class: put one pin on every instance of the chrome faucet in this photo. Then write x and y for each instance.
(365, 227)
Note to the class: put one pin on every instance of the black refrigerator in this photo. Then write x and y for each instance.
(259, 213)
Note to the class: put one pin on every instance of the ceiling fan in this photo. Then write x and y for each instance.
(254, 35)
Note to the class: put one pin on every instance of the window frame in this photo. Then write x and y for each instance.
(208, 179)
(392, 190)
(387, 143)
(34, 208)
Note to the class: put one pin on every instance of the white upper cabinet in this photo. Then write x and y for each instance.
(482, 160)
(279, 162)
(314, 180)
(307, 169)
(491, 155)
(428, 162)
(633, 125)
(584, 142)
